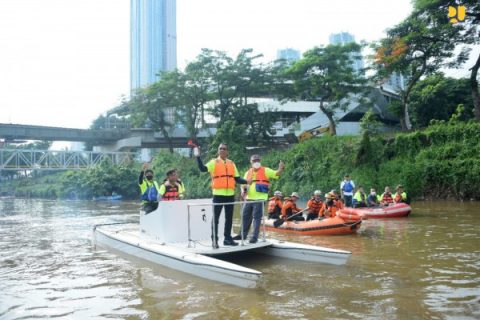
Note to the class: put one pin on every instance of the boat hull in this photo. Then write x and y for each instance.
(329, 226)
(196, 264)
(398, 210)
(304, 252)
(198, 258)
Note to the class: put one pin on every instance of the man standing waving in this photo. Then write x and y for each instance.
(224, 174)
(257, 190)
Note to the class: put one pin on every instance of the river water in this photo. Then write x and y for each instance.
(426, 266)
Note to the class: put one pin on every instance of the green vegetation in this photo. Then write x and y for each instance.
(85, 184)
(442, 161)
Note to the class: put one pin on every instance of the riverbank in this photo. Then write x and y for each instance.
(440, 162)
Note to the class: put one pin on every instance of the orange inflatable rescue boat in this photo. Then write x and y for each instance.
(328, 226)
(392, 211)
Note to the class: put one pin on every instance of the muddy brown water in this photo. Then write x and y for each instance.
(426, 266)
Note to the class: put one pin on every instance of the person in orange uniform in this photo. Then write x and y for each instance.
(224, 176)
(172, 188)
(331, 205)
(315, 206)
(275, 205)
(337, 200)
(290, 208)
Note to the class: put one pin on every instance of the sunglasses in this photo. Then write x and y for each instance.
(222, 148)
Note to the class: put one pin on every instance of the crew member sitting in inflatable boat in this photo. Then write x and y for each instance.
(172, 188)
(373, 199)
(290, 208)
(386, 197)
(331, 205)
(275, 205)
(337, 199)
(401, 196)
(315, 206)
(360, 198)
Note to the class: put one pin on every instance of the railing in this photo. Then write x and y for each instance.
(214, 236)
(20, 159)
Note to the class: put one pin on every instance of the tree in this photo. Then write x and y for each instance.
(232, 83)
(326, 75)
(466, 32)
(437, 97)
(194, 93)
(233, 134)
(418, 46)
(154, 106)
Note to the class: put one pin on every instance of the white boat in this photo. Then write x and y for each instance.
(178, 235)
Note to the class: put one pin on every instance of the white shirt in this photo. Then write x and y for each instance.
(344, 192)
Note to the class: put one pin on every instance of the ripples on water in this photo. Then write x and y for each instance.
(422, 267)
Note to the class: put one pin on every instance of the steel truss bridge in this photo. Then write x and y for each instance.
(20, 159)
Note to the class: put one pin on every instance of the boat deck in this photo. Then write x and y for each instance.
(131, 232)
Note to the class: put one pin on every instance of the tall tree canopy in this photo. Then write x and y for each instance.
(467, 32)
(326, 75)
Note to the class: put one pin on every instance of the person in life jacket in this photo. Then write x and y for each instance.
(224, 175)
(148, 189)
(347, 187)
(255, 191)
(332, 205)
(275, 205)
(315, 206)
(372, 199)
(337, 200)
(172, 188)
(360, 198)
(290, 208)
(386, 197)
(400, 196)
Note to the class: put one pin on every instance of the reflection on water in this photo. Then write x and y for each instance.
(422, 267)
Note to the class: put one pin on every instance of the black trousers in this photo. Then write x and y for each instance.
(217, 210)
(150, 206)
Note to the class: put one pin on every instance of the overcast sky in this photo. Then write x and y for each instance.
(65, 62)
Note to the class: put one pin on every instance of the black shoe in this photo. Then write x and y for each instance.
(229, 242)
(237, 237)
(215, 245)
(253, 240)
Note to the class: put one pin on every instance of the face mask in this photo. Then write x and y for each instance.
(256, 165)
(150, 178)
(374, 193)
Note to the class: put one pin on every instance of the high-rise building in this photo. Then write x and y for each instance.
(341, 38)
(396, 81)
(344, 38)
(289, 54)
(153, 40)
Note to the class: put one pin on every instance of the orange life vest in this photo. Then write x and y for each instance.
(387, 197)
(331, 212)
(171, 193)
(274, 205)
(223, 175)
(338, 204)
(314, 205)
(289, 208)
(260, 178)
